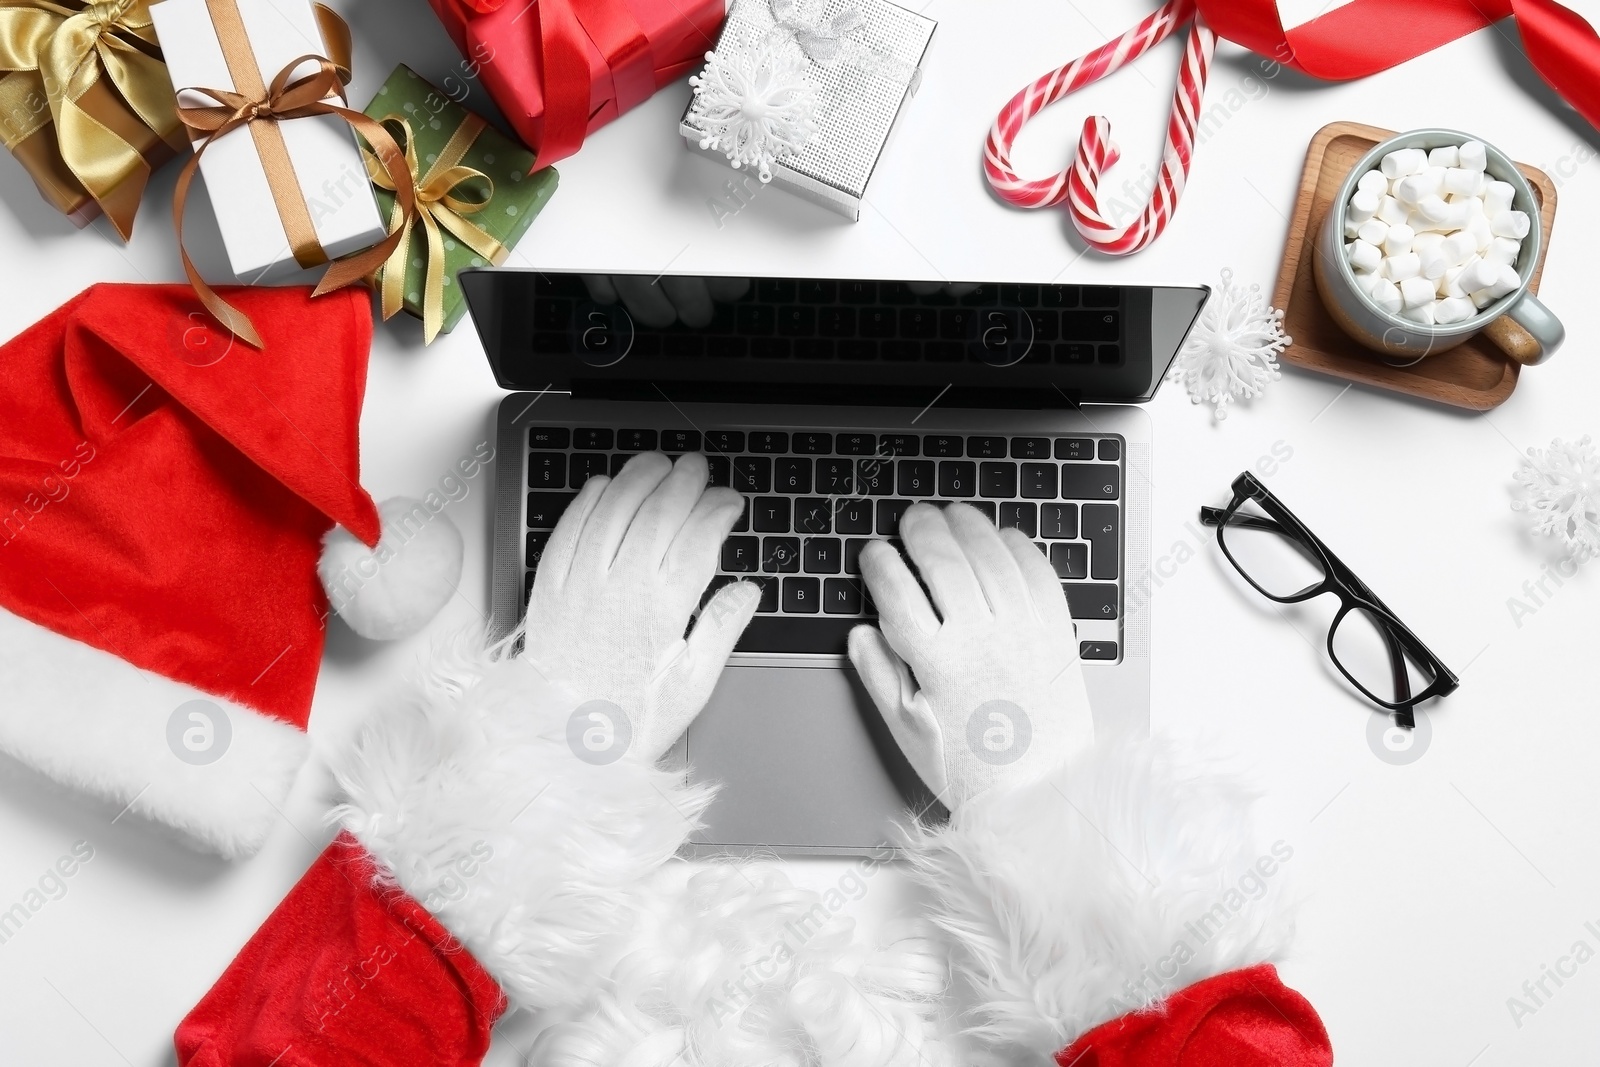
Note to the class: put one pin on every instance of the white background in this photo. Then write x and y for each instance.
(1431, 891)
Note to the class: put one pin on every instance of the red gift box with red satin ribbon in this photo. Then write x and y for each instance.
(560, 69)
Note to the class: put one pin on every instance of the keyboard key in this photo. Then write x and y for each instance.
(802, 595)
(1090, 481)
(876, 322)
(1087, 601)
(684, 345)
(636, 440)
(836, 322)
(889, 513)
(1110, 449)
(852, 516)
(901, 351)
(986, 447)
(1039, 481)
(818, 291)
(1091, 325)
(742, 525)
(780, 555)
(1108, 353)
(792, 474)
(770, 514)
(1070, 559)
(1030, 448)
(997, 479)
(1102, 527)
(855, 348)
(919, 323)
(1097, 650)
(916, 477)
(823, 555)
(547, 470)
(796, 321)
(985, 506)
(739, 554)
(769, 594)
(836, 477)
(618, 461)
(1025, 296)
(777, 290)
(544, 509)
(1074, 352)
(899, 444)
(875, 477)
(551, 314)
(958, 324)
(812, 348)
(1058, 521)
(813, 444)
(852, 554)
(536, 544)
(895, 293)
(1058, 296)
(725, 441)
(812, 515)
(1046, 325)
(582, 466)
(727, 347)
(1074, 448)
(856, 444)
(841, 596)
(548, 436)
(752, 474)
(943, 445)
(769, 441)
(858, 292)
(592, 439)
(789, 633)
(756, 320)
(718, 581)
(1024, 517)
(770, 347)
(680, 440)
(721, 470)
(1101, 296)
(958, 478)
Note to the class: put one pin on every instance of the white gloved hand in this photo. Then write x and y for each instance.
(1001, 694)
(615, 590)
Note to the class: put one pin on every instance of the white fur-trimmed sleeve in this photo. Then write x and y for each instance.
(470, 796)
(1118, 879)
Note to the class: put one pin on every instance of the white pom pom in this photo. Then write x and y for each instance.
(391, 591)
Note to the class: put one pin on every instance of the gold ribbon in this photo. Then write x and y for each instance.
(285, 99)
(62, 52)
(436, 205)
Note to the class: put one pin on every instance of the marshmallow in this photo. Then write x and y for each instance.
(1391, 211)
(1459, 247)
(1373, 232)
(1503, 250)
(1444, 156)
(1386, 295)
(1434, 264)
(1399, 268)
(1351, 230)
(1366, 281)
(1426, 242)
(1480, 299)
(1461, 182)
(1481, 231)
(1453, 309)
(1398, 240)
(1405, 161)
(1497, 197)
(1414, 292)
(1422, 313)
(1473, 156)
(1508, 281)
(1433, 208)
(1363, 206)
(1364, 256)
(1373, 182)
(1414, 188)
(1479, 274)
(1450, 284)
(1509, 224)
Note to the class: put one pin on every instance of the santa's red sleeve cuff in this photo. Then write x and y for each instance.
(482, 866)
(1119, 913)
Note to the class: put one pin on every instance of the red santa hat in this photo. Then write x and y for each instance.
(164, 498)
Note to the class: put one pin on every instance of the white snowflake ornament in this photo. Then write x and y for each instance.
(1232, 352)
(1561, 493)
(755, 105)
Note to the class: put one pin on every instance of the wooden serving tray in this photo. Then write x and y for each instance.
(1476, 374)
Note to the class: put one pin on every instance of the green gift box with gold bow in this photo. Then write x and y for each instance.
(475, 198)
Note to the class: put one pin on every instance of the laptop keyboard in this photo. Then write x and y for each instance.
(813, 499)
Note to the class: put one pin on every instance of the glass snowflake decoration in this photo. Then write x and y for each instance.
(1232, 352)
(1561, 493)
(755, 105)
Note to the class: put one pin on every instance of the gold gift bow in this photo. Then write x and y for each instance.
(63, 51)
(437, 205)
(285, 99)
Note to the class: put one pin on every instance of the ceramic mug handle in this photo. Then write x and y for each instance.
(1540, 335)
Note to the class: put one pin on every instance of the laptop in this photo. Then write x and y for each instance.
(833, 404)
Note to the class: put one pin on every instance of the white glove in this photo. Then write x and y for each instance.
(1001, 694)
(615, 590)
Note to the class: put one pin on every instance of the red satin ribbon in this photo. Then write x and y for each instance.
(1366, 36)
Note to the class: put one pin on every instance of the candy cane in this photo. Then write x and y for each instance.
(1079, 185)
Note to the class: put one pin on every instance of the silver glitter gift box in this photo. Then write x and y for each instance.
(859, 62)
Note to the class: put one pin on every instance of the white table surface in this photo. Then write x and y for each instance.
(1431, 891)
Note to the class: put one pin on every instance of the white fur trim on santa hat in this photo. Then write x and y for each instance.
(472, 792)
(1117, 880)
(154, 747)
(393, 589)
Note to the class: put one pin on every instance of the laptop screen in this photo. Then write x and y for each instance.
(827, 340)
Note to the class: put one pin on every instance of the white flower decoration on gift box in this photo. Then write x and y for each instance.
(1232, 352)
(756, 106)
(1561, 493)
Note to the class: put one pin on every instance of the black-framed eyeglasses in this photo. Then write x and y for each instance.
(1277, 554)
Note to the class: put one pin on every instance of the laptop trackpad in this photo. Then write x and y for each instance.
(805, 762)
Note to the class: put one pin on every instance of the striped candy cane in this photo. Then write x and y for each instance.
(1079, 186)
